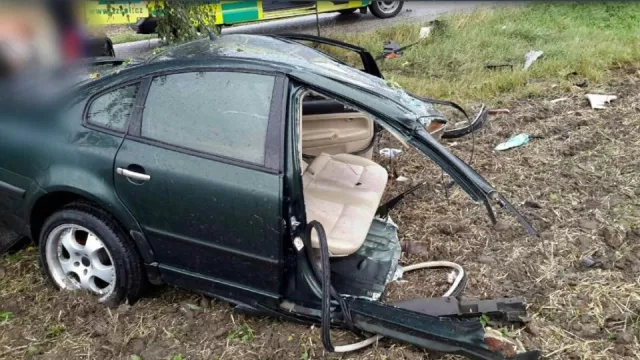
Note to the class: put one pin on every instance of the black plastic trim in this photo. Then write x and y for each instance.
(85, 112)
(11, 190)
(143, 246)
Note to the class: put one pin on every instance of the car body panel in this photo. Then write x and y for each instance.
(196, 212)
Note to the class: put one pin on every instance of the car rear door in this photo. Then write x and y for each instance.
(200, 170)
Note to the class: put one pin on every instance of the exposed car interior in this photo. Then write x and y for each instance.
(342, 186)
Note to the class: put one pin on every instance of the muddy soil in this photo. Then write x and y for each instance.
(577, 181)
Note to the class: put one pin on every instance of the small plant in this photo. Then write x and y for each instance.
(177, 357)
(17, 257)
(5, 316)
(135, 357)
(55, 331)
(244, 334)
(484, 320)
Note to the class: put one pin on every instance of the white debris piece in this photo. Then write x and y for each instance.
(531, 57)
(390, 153)
(599, 101)
(451, 277)
(558, 100)
(425, 32)
(402, 179)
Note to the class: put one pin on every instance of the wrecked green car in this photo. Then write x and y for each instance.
(241, 167)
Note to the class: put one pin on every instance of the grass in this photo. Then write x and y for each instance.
(579, 40)
(125, 37)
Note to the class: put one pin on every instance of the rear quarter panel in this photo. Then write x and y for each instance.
(51, 151)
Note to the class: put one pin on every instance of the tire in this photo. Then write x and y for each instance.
(72, 259)
(386, 9)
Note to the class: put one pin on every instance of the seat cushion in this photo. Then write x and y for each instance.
(346, 178)
(343, 192)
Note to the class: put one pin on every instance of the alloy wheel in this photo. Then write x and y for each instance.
(79, 260)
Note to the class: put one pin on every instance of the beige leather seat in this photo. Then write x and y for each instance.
(343, 192)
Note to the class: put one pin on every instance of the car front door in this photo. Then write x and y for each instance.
(200, 170)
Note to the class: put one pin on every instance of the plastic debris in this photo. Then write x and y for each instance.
(531, 57)
(390, 153)
(588, 261)
(599, 101)
(498, 111)
(402, 179)
(496, 66)
(516, 141)
(392, 50)
(425, 32)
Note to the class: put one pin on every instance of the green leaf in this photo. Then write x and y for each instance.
(135, 357)
(5, 316)
(484, 320)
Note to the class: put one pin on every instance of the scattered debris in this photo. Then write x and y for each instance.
(425, 32)
(497, 342)
(402, 179)
(588, 261)
(599, 101)
(498, 111)
(392, 50)
(390, 153)
(531, 57)
(499, 66)
(516, 141)
(558, 100)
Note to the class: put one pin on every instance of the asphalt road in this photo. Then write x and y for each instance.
(413, 11)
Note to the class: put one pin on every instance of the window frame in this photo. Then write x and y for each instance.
(274, 141)
(136, 107)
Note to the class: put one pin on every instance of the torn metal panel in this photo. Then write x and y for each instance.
(366, 273)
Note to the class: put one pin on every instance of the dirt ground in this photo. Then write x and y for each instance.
(577, 181)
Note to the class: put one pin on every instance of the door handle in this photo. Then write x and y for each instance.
(133, 175)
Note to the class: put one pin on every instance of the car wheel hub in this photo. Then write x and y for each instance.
(388, 6)
(79, 260)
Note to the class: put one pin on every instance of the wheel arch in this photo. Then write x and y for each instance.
(55, 198)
